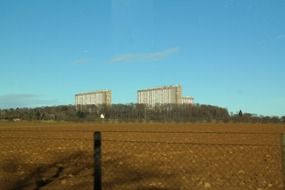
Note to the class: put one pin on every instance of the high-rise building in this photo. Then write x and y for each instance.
(160, 95)
(94, 98)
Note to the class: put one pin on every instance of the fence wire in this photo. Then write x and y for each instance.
(42, 162)
(188, 166)
(136, 160)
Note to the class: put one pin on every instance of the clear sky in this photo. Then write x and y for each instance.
(229, 53)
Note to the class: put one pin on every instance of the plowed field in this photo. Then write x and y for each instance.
(142, 156)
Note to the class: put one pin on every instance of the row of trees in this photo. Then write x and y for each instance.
(135, 113)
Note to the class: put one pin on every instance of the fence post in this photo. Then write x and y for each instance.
(97, 161)
(282, 144)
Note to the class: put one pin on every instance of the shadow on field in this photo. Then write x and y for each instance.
(55, 175)
(75, 171)
(120, 173)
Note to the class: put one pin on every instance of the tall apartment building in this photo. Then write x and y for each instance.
(160, 95)
(94, 98)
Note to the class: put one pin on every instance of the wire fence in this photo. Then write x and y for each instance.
(141, 160)
(45, 159)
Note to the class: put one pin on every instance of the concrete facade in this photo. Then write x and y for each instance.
(94, 98)
(160, 95)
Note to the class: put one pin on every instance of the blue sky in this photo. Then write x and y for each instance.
(229, 53)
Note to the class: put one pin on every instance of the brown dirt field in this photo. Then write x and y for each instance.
(41, 155)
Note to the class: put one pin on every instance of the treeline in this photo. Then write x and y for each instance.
(135, 113)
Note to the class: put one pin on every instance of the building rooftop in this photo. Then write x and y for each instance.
(159, 88)
(93, 92)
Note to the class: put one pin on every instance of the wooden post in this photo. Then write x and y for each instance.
(97, 161)
(282, 139)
